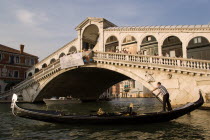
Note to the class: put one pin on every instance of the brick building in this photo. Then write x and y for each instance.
(13, 66)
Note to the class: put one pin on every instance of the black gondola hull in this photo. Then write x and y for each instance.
(156, 117)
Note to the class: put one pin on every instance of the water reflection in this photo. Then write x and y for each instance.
(191, 127)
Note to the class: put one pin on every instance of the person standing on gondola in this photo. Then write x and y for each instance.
(165, 95)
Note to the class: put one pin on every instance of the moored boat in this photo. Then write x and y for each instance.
(61, 100)
(107, 118)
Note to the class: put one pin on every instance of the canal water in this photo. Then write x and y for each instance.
(196, 126)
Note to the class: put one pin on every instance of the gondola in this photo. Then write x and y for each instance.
(110, 118)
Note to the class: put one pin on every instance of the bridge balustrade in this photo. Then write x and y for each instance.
(201, 65)
(159, 60)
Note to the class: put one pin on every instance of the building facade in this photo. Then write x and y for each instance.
(130, 89)
(13, 66)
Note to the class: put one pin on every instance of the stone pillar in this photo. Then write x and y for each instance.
(120, 46)
(120, 43)
(79, 40)
(138, 46)
(160, 49)
(184, 50)
(101, 38)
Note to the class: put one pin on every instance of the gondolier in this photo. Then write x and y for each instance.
(165, 95)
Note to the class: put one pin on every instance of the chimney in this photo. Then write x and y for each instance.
(21, 48)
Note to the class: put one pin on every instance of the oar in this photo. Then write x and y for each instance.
(159, 99)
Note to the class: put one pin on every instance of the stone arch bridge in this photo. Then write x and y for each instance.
(183, 77)
(178, 56)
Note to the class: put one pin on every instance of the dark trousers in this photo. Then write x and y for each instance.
(166, 101)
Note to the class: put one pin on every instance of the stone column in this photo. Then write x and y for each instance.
(160, 49)
(120, 43)
(138, 46)
(184, 50)
(101, 38)
(120, 46)
(79, 39)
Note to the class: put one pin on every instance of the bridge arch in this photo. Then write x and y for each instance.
(198, 48)
(61, 55)
(30, 74)
(149, 45)
(72, 49)
(36, 70)
(112, 44)
(52, 60)
(90, 36)
(172, 47)
(129, 44)
(44, 65)
(82, 79)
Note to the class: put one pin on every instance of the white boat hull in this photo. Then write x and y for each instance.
(58, 101)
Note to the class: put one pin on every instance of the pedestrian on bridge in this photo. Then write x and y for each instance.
(165, 95)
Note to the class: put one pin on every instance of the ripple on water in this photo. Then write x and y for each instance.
(195, 126)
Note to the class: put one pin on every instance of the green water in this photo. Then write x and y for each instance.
(195, 126)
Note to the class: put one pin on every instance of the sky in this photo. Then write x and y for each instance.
(44, 26)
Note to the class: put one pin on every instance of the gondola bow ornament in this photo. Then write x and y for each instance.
(14, 100)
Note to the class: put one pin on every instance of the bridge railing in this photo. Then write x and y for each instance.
(160, 60)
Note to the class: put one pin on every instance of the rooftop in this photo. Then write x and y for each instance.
(11, 50)
(160, 27)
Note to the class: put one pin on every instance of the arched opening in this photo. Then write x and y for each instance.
(9, 86)
(90, 38)
(129, 45)
(198, 48)
(172, 47)
(86, 79)
(30, 74)
(149, 46)
(72, 50)
(52, 60)
(36, 70)
(44, 65)
(61, 55)
(112, 44)
(82, 79)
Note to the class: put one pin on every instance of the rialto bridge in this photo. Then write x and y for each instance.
(177, 56)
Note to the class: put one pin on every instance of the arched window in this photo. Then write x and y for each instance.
(172, 47)
(44, 65)
(73, 49)
(52, 60)
(36, 70)
(198, 48)
(112, 44)
(149, 46)
(61, 55)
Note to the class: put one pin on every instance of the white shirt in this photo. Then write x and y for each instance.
(163, 90)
